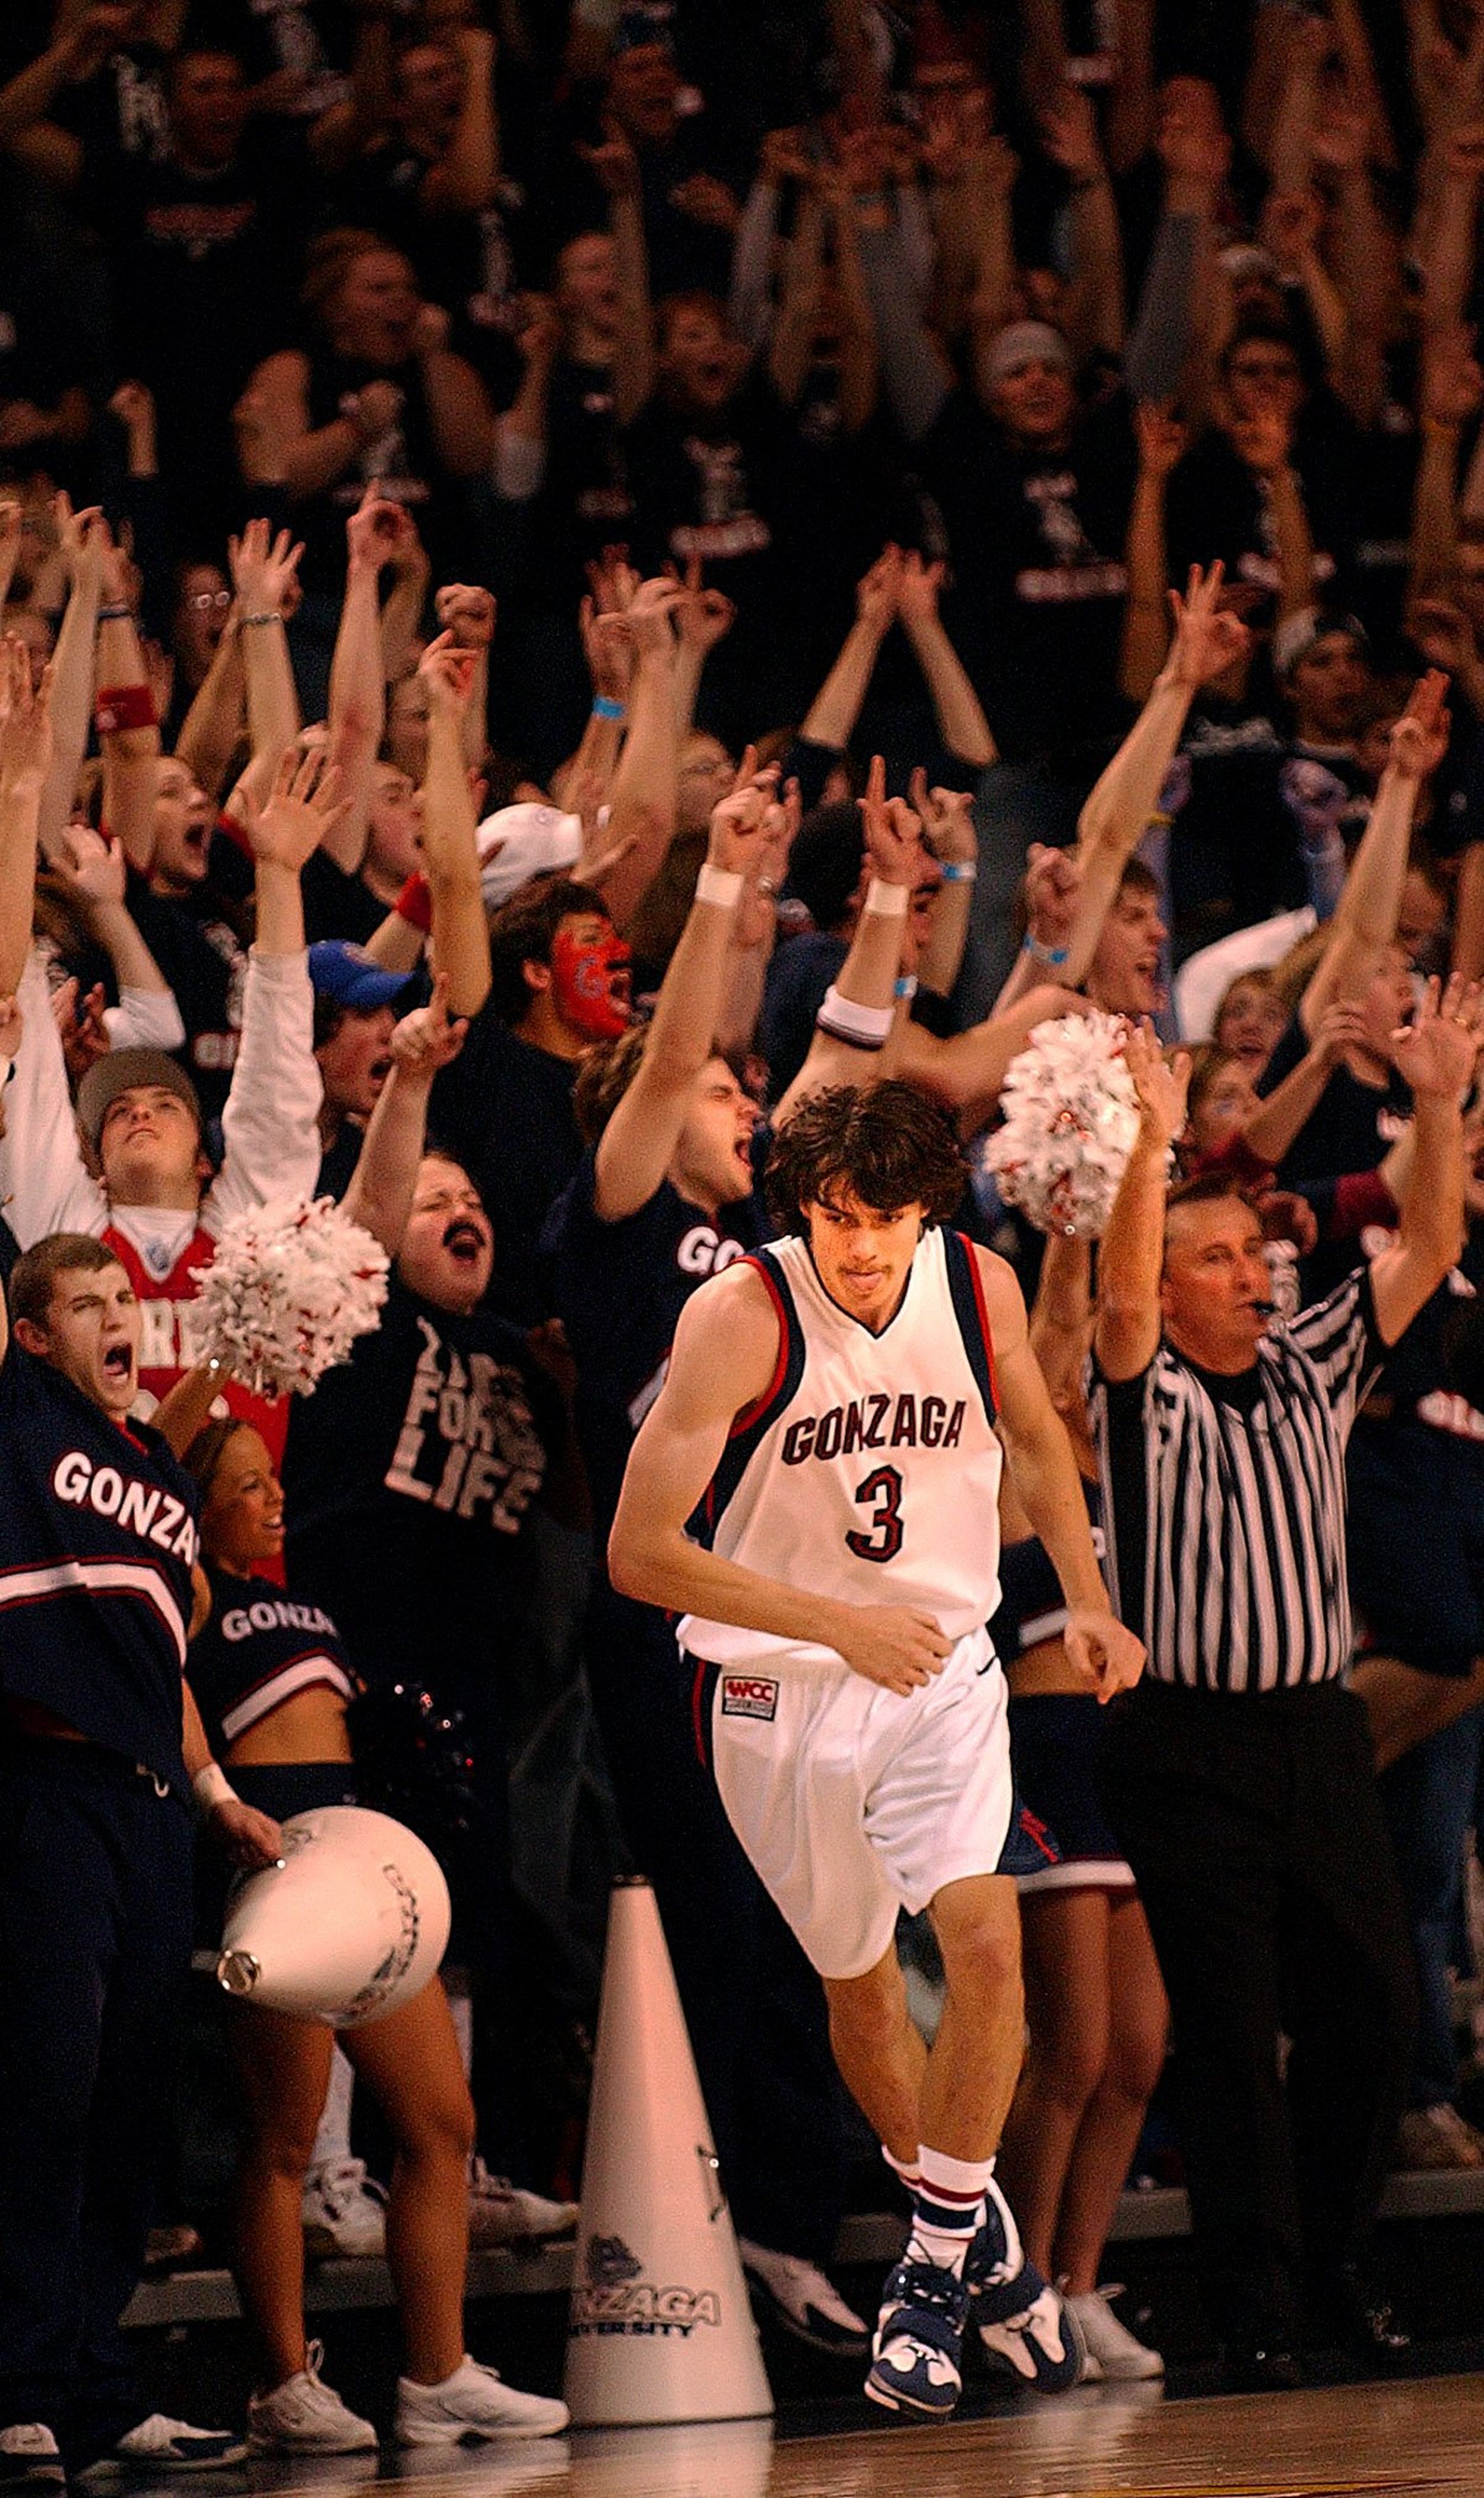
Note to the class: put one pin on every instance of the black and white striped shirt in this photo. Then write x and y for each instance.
(1224, 1502)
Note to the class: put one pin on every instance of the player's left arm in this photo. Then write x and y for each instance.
(1046, 1478)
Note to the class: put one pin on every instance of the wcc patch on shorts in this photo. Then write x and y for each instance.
(749, 1695)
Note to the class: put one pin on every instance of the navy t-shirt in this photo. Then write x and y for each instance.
(258, 1649)
(97, 1541)
(620, 1289)
(408, 1476)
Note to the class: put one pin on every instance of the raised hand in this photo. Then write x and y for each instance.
(1419, 738)
(449, 673)
(264, 568)
(304, 805)
(1209, 639)
(1159, 1085)
(948, 820)
(893, 832)
(467, 612)
(80, 1028)
(768, 871)
(613, 581)
(1342, 1026)
(876, 593)
(613, 161)
(372, 530)
(1054, 883)
(649, 613)
(702, 617)
(607, 646)
(918, 589)
(1435, 1054)
(426, 1040)
(737, 820)
(82, 538)
(1452, 382)
(1069, 134)
(91, 867)
(1161, 436)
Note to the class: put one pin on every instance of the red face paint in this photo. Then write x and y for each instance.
(583, 984)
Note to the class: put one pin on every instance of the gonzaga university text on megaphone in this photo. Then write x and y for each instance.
(350, 1922)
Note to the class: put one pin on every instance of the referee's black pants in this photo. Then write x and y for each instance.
(754, 2007)
(1255, 1831)
(95, 1911)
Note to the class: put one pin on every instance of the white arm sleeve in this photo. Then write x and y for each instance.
(45, 1184)
(271, 1119)
(145, 1019)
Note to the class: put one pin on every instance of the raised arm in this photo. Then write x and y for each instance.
(128, 728)
(382, 1191)
(466, 175)
(1161, 439)
(1365, 923)
(264, 569)
(1095, 312)
(855, 1028)
(461, 934)
(948, 820)
(639, 1143)
(211, 730)
(831, 716)
(724, 1353)
(357, 684)
(646, 784)
(1132, 1254)
(956, 707)
(25, 759)
(1436, 1054)
(81, 537)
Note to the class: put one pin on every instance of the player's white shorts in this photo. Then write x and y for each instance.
(854, 1802)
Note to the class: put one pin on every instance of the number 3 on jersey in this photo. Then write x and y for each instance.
(883, 1540)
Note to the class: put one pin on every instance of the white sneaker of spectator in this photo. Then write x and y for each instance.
(345, 2211)
(474, 2403)
(303, 2416)
(1112, 2351)
(797, 2295)
(502, 2215)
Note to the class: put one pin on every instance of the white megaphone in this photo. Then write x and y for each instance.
(352, 1921)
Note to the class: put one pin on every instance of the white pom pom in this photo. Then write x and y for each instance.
(1071, 1118)
(288, 1291)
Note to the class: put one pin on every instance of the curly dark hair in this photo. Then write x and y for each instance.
(886, 1144)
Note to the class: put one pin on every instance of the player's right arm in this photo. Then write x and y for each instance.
(725, 1355)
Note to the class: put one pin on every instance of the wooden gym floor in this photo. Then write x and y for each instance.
(1419, 2440)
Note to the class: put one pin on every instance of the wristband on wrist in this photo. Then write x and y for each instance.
(959, 871)
(1053, 957)
(116, 615)
(125, 707)
(212, 1786)
(267, 616)
(906, 984)
(863, 1027)
(606, 708)
(719, 885)
(888, 901)
(414, 903)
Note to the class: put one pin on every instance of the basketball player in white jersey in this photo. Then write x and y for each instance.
(814, 1491)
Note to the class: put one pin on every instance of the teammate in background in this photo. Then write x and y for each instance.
(834, 1411)
(99, 1748)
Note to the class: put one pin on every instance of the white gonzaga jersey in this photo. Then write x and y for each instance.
(870, 1471)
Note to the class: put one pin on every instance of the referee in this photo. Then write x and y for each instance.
(1240, 1776)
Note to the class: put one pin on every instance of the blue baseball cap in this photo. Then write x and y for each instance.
(352, 977)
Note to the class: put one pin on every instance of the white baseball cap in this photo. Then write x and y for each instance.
(519, 843)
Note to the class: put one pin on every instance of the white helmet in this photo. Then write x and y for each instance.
(352, 1921)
